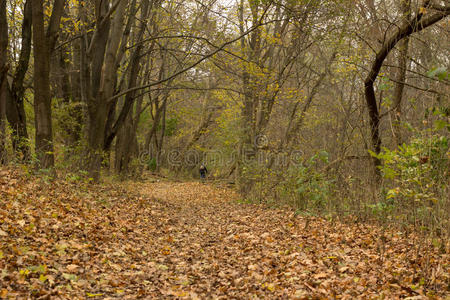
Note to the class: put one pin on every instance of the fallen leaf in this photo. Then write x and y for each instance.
(321, 276)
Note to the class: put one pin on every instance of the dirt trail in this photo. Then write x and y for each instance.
(218, 248)
(194, 241)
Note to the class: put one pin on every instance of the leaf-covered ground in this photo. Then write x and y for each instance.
(195, 241)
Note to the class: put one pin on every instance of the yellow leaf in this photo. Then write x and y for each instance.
(93, 295)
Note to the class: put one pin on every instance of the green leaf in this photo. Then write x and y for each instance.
(389, 173)
(323, 155)
(440, 124)
(440, 72)
(373, 154)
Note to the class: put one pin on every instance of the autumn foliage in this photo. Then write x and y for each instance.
(186, 240)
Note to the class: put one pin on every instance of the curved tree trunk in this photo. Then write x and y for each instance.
(417, 24)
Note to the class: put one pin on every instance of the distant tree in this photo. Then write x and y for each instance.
(15, 92)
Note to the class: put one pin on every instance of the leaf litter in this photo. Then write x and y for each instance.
(187, 240)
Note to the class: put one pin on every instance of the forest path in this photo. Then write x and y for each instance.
(215, 247)
(188, 240)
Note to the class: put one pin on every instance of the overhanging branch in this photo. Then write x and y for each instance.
(212, 53)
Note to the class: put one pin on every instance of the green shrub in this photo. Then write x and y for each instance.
(302, 185)
(416, 176)
(313, 187)
(151, 164)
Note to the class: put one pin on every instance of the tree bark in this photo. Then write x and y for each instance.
(127, 145)
(42, 97)
(160, 143)
(97, 107)
(109, 78)
(43, 44)
(246, 149)
(3, 79)
(156, 121)
(132, 80)
(405, 9)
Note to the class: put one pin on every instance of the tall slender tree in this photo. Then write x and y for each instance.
(402, 59)
(43, 43)
(3, 78)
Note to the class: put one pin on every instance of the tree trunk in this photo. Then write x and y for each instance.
(43, 44)
(3, 150)
(126, 140)
(132, 80)
(124, 146)
(97, 106)
(15, 110)
(160, 143)
(42, 97)
(3, 79)
(405, 8)
(109, 79)
(246, 150)
(415, 25)
(104, 55)
(152, 132)
(76, 109)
